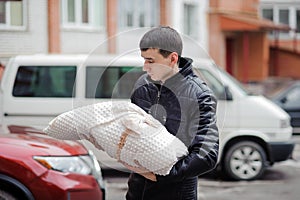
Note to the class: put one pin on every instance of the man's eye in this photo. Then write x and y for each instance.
(149, 61)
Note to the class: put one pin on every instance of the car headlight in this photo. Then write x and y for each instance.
(72, 164)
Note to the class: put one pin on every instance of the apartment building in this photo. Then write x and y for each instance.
(95, 26)
(248, 38)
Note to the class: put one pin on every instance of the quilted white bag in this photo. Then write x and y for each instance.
(124, 131)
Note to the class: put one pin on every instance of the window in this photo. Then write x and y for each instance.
(190, 20)
(298, 21)
(111, 82)
(45, 81)
(267, 14)
(11, 14)
(83, 13)
(284, 16)
(138, 13)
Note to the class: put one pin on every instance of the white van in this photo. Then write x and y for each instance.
(254, 132)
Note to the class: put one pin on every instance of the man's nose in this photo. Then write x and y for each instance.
(146, 67)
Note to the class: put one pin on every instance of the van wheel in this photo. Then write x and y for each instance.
(244, 161)
(6, 196)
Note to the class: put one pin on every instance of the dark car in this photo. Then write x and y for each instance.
(288, 98)
(35, 166)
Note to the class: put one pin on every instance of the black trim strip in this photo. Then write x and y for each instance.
(29, 115)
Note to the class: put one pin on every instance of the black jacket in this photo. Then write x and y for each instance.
(187, 108)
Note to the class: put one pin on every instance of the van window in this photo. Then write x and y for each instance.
(45, 81)
(111, 82)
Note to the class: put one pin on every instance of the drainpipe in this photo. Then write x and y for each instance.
(276, 49)
(111, 25)
(53, 26)
(245, 57)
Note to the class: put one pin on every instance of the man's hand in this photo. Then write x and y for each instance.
(140, 170)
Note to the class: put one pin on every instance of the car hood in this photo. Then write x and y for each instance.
(37, 144)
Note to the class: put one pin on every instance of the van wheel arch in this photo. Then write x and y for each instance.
(236, 144)
(13, 187)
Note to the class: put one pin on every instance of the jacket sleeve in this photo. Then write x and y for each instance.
(204, 148)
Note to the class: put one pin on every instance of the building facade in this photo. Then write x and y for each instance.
(251, 39)
(95, 26)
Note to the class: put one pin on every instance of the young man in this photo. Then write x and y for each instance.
(185, 105)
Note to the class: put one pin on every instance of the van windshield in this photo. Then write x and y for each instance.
(235, 82)
(218, 80)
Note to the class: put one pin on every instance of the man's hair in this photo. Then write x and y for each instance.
(164, 38)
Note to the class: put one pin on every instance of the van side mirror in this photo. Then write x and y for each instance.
(226, 95)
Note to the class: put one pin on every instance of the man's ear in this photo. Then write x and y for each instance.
(174, 58)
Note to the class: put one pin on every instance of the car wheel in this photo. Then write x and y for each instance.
(244, 161)
(6, 196)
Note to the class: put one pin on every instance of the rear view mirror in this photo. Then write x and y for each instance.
(283, 100)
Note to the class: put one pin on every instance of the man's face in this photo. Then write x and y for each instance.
(158, 67)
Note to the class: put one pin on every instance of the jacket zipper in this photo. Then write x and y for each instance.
(157, 101)
(154, 112)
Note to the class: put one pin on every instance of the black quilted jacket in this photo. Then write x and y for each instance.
(187, 108)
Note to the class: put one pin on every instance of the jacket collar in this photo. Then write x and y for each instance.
(185, 69)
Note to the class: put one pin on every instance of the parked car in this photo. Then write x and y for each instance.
(35, 166)
(288, 98)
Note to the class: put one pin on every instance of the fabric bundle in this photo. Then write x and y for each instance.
(124, 131)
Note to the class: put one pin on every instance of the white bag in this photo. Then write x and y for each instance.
(124, 131)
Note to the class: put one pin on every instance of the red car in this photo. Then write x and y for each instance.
(35, 166)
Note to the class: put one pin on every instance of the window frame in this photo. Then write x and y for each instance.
(78, 23)
(267, 8)
(136, 11)
(297, 25)
(24, 81)
(7, 25)
(194, 32)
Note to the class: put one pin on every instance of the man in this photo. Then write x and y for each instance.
(185, 106)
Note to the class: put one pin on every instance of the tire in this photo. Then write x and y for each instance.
(244, 160)
(6, 196)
